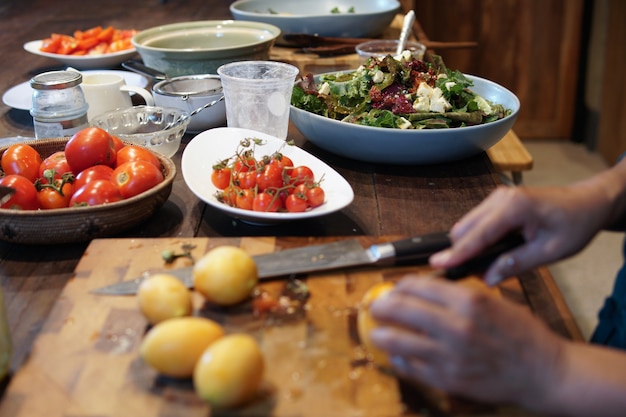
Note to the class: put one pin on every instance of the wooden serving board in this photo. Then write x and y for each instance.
(85, 362)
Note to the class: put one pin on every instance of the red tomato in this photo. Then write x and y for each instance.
(57, 162)
(243, 164)
(135, 177)
(281, 160)
(270, 177)
(55, 197)
(245, 199)
(25, 196)
(117, 143)
(136, 153)
(95, 193)
(296, 203)
(246, 179)
(266, 202)
(315, 196)
(220, 177)
(88, 147)
(301, 175)
(96, 172)
(21, 159)
(229, 195)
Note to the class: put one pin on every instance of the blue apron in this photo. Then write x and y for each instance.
(611, 329)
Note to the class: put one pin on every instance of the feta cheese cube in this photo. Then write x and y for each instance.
(439, 105)
(424, 90)
(404, 123)
(422, 104)
(378, 77)
(324, 89)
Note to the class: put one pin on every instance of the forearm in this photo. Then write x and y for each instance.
(591, 382)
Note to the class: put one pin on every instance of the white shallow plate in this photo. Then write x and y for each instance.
(20, 96)
(214, 145)
(83, 61)
(370, 18)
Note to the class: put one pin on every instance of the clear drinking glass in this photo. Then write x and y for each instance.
(258, 95)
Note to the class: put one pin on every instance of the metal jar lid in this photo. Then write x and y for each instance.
(56, 80)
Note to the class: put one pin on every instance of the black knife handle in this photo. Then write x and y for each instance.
(486, 258)
(420, 247)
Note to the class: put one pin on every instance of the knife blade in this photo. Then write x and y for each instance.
(339, 255)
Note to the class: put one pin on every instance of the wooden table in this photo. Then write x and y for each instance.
(389, 201)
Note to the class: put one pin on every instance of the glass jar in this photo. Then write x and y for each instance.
(59, 107)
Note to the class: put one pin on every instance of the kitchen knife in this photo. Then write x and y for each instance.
(6, 193)
(342, 254)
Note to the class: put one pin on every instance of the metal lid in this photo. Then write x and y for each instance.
(56, 80)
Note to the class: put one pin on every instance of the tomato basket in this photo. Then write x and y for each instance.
(79, 224)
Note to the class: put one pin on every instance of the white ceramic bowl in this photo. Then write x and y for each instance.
(144, 125)
(368, 18)
(406, 147)
(191, 92)
(200, 47)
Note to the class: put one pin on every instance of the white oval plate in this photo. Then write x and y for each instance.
(20, 96)
(82, 62)
(214, 145)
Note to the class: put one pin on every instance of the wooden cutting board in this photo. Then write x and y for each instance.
(85, 362)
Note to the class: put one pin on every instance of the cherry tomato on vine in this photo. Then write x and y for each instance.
(270, 177)
(229, 195)
(245, 199)
(315, 196)
(301, 175)
(135, 177)
(95, 193)
(244, 163)
(220, 177)
(246, 179)
(96, 172)
(90, 146)
(281, 160)
(136, 153)
(266, 202)
(296, 203)
(25, 196)
(21, 159)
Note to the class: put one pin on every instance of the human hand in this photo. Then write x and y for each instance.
(556, 222)
(466, 341)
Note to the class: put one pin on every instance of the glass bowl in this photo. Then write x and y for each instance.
(144, 125)
(382, 48)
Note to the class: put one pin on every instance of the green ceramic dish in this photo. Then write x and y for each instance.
(201, 47)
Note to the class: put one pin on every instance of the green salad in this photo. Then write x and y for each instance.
(400, 92)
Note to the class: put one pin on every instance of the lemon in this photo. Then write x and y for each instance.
(225, 275)
(162, 297)
(174, 346)
(230, 371)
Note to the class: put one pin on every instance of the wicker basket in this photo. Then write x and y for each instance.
(40, 227)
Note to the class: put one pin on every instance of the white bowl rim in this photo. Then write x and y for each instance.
(146, 34)
(393, 5)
